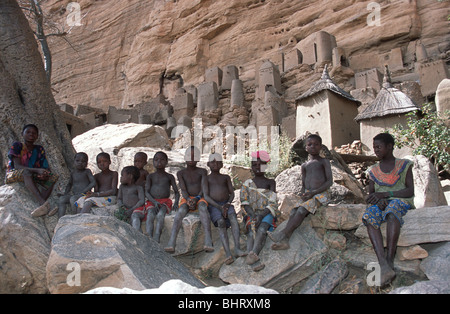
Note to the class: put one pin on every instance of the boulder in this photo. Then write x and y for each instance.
(423, 225)
(339, 217)
(180, 287)
(24, 242)
(437, 265)
(283, 269)
(425, 287)
(108, 253)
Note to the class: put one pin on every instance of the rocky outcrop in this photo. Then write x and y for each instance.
(123, 51)
(108, 252)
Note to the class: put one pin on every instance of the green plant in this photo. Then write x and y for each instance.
(428, 135)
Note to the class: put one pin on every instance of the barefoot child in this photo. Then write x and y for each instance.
(259, 199)
(81, 181)
(219, 193)
(190, 180)
(157, 192)
(316, 180)
(105, 191)
(140, 161)
(28, 164)
(131, 196)
(391, 194)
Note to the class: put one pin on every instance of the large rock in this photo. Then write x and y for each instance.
(109, 253)
(437, 265)
(283, 269)
(425, 287)
(423, 225)
(179, 287)
(24, 242)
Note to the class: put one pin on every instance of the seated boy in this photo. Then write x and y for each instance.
(391, 195)
(190, 180)
(105, 191)
(131, 196)
(259, 199)
(316, 181)
(157, 192)
(219, 193)
(140, 161)
(81, 181)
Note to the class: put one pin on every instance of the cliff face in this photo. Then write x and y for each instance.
(117, 55)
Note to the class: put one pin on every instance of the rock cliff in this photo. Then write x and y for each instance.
(120, 51)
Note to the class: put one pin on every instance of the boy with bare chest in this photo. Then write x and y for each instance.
(157, 192)
(219, 193)
(316, 181)
(191, 180)
(131, 195)
(81, 181)
(105, 191)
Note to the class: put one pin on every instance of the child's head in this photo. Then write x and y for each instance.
(81, 160)
(103, 161)
(313, 144)
(260, 159)
(30, 132)
(383, 144)
(129, 175)
(192, 156)
(215, 162)
(160, 160)
(140, 160)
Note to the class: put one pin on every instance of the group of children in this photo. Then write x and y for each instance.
(144, 196)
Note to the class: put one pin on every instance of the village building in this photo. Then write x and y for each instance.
(388, 109)
(328, 110)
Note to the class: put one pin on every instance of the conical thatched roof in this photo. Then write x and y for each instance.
(326, 83)
(390, 101)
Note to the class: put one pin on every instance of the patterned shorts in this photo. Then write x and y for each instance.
(374, 216)
(16, 175)
(315, 202)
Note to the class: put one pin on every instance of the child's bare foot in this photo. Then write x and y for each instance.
(252, 258)
(229, 260)
(282, 245)
(208, 249)
(53, 211)
(275, 237)
(169, 249)
(41, 210)
(258, 267)
(240, 253)
(387, 276)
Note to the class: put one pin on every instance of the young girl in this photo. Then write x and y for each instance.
(391, 194)
(28, 164)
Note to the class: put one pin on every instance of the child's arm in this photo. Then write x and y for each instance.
(183, 188)
(140, 202)
(328, 176)
(91, 182)
(177, 193)
(205, 189)
(120, 197)
(148, 195)
(68, 186)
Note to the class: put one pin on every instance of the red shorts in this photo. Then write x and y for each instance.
(164, 201)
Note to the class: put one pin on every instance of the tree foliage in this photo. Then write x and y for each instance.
(428, 135)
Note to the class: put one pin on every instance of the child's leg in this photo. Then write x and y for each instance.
(222, 227)
(392, 235)
(206, 223)
(62, 204)
(281, 239)
(236, 233)
(86, 207)
(149, 224)
(136, 218)
(260, 239)
(32, 187)
(160, 217)
(181, 213)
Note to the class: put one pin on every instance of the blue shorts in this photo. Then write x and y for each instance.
(374, 216)
(269, 219)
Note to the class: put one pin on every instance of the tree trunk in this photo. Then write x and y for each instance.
(25, 93)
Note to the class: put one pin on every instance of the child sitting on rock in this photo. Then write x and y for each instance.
(219, 193)
(140, 161)
(391, 195)
(259, 199)
(81, 181)
(157, 192)
(131, 197)
(316, 181)
(105, 191)
(28, 164)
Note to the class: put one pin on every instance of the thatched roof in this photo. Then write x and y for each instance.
(390, 101)
(326, 83)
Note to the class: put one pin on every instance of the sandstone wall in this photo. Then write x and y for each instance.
(115, 58)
